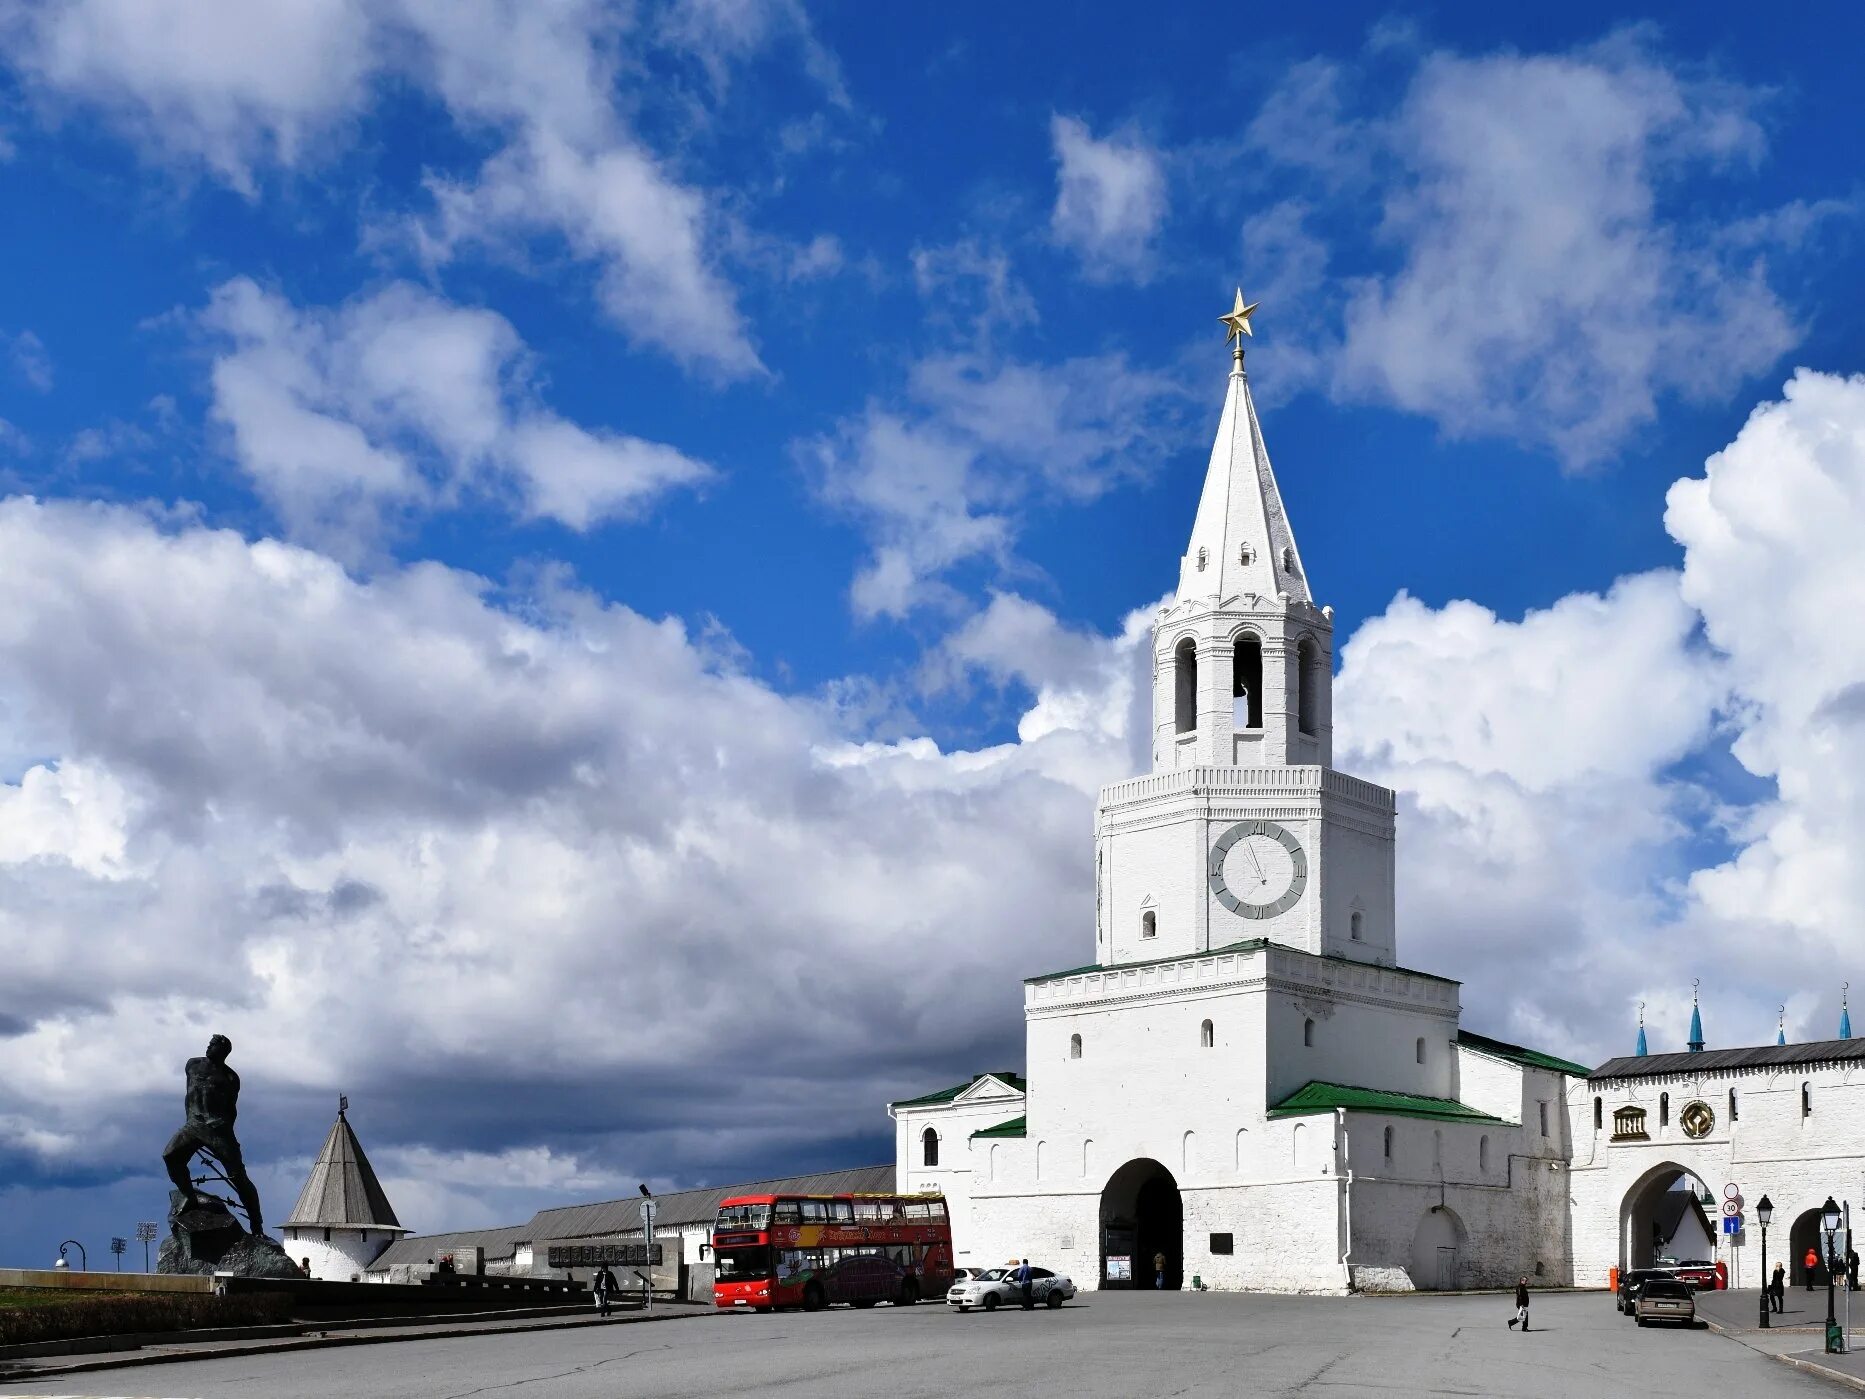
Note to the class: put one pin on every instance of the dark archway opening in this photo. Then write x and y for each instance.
(1803, 1236)
(1142, 1216)
(1658, 1218)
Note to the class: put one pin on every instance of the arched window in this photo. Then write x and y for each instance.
(1732, 1111)
(1039, 1159)
(1149, 924)
(1806, 1099)
(1308, 686)
(1388, 1144)
(1599, 1114)
(1206, 1036)
(1356, 925)
(1482, 1153)
(1421, 1049)
(1308, 1034)
(1074, 1046)
(1288, 558)
(1664, 1109)
(929, 1148)
(1246, 683)
(1185, 687)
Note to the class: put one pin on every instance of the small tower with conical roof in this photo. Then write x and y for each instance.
(1845, 1012)
(343, 1220)
(1641, 1050)
(1696, 1021)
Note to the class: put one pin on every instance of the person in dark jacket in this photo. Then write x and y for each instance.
(1777, 1288)
(606, 1287)
(1521, 1306)
(1852, 1268)
(1026, 1284)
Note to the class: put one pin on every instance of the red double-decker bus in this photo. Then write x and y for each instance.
(810, 1251)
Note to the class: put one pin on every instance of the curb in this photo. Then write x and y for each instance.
(125, 1359)
(1810, 1367)
(1815, 1368)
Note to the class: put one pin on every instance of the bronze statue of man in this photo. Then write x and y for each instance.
(212, 1103)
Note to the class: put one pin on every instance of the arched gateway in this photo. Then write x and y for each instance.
(1142, 1216)
(1642, 1217)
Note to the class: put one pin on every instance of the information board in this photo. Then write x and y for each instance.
(602, 1255)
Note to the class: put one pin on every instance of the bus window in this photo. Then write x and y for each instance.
(841, 1212)
(814, 1211)
(743, 1264)
(785, 1212)
(938, 1209)
(867, 1211)
(918, 1209)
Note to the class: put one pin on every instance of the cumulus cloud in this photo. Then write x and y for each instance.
(1110, 199)
(1550, 286)
(401, 401)
(31, 363)
(547, 852)
(240, 89)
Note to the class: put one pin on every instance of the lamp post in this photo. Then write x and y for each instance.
(84, 1259)
(1829, 1223)
(145, 1233)
(647, 1235)
(1764, 1212)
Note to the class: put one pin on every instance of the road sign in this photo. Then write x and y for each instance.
(1732, 1224)
(1732, 1191)
(1732, 1207)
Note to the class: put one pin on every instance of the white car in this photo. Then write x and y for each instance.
(996, 1287)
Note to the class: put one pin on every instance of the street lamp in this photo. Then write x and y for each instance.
(647, 1235)
(1829, 1223)
(1764, 1212)
(84, 1259)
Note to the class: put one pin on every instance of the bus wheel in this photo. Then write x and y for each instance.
(813, 1300)
(990, 1301)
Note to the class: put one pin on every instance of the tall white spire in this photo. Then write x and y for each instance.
(1241, 541)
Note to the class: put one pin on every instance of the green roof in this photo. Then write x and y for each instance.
(1515, 1054)
(1013, 1128)
(946, 1095)
(1315, 1097)
(1247, 945)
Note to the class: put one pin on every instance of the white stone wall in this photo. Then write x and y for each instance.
(987, 1103)
(345, 1254)
(1771, 1149)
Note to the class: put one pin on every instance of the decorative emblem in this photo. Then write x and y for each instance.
(1267, 869)
(1628, 1125)
(1697, 1120)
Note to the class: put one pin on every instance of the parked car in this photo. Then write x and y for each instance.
(1633, 1279)
(997, 1288)
(1665, 1299)
(1698, 1272)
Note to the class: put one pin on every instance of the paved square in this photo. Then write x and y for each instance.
(1112, 1344)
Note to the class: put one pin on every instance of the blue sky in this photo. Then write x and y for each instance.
(509, 508)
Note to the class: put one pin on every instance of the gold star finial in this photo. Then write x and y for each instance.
(1239, 320)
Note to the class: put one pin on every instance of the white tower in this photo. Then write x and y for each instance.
(1243, 829)
(343, 1220)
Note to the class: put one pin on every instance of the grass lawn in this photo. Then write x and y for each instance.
(47, 1296)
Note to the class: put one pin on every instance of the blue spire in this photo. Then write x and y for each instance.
(1845, 1014)
(1780, 1027)
(1696, 1021)
(1640, 1051)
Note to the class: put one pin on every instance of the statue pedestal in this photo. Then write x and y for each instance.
(205, 1237)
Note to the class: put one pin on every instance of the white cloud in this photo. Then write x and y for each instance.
(400, 401)
(241, 89)
(944, 481)
(30, 361)
(1110, 199)
(1549, 287)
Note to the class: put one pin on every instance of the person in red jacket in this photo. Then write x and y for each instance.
(1812, 1260)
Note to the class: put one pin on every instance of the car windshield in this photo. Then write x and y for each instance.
(994, 1275)
(744, 1217)
(1664, 1287)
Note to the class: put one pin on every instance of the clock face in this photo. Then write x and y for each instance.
(1258, 869)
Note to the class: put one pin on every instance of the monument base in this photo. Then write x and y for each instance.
(205, 1237)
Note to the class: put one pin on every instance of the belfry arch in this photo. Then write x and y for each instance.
(1638, 1210)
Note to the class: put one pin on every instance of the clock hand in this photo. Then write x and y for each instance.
(1256, 864)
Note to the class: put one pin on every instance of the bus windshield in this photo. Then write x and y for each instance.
(743, 1264)
(744, 1217)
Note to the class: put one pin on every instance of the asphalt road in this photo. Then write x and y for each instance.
(1114, 1344)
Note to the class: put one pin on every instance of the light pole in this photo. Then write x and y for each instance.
(145, 1231)
(1829, 1222)
(84, 1259)
(117, 1246)
(1764, 1211)
(647, 1235)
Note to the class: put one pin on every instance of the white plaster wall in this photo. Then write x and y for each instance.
(346, 1253)
(1357, 874)
(1368, 1045)
(986, 1104)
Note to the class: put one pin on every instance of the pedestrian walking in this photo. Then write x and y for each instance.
(606, 1287)
(1026, 1285)
(1852, 1268)
(1159, 1271)
(1812, 1261)
(1521, 1306)
(1777, 1288)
